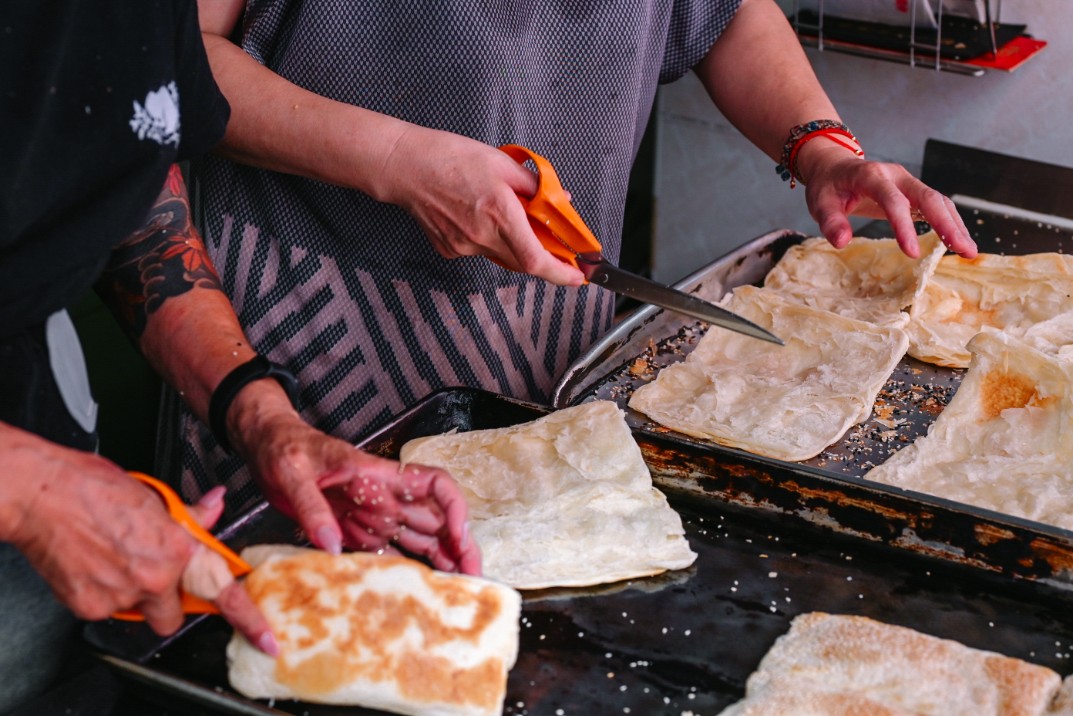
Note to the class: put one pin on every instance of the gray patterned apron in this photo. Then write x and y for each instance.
(347, 291)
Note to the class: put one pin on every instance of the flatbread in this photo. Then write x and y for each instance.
(1002, 443)
(1063, 701)
(869, 279)
(838, 665)
(787, 402)
(564, 500)
(1011, 293)
(377, 631)
(1053, 336)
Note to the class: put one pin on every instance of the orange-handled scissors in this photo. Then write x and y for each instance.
(179, 513)
(562, 232)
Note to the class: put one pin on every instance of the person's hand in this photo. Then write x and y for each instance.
(840, 184)
(104, 542)
(207, 575)
(464, 194)
(343, 496)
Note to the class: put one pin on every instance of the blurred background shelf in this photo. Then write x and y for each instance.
(920, 35)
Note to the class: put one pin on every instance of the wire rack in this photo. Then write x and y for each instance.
(915, 52)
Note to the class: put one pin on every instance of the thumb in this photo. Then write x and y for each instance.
(206, 575)
(209, 508)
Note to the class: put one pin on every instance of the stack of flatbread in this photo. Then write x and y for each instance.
(377, 631)
(837, 665)
(1010, 293)
(787, 402)
(1003, 441)
(562, 501)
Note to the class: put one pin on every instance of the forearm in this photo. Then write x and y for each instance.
(760, 79)
(163, 289)
(23, 464)
(278, 125)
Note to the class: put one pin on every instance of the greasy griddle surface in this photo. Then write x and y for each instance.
(685, 642)
(678, 643)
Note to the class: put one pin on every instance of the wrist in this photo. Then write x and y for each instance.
(249, 391)
(372, 145)
(814, 157)
(25, 468)
(797, 151)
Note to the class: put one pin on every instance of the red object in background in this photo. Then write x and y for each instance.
(1011, 55)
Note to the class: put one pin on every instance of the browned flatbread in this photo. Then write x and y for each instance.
(962, 296)
(1003, 441)
(378, 631)
(838, 665)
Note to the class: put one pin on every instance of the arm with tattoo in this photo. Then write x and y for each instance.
(167, 293)
(163, 259)
(164, 291)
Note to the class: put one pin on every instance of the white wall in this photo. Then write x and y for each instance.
(715, 191)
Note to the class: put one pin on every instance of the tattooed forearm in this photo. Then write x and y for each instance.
(163, 259)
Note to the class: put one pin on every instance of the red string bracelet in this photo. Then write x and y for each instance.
(803, 133)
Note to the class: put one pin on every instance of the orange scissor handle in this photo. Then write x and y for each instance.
(179, 513)
(559, 227)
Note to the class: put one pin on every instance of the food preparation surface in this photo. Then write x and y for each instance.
(678, 643)
(774, 540)
(685, 642)
(916, 392)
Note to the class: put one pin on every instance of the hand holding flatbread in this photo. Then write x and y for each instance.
(842, 184)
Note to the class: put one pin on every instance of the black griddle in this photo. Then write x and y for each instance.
(682, 642)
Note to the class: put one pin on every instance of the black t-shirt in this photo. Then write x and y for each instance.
(97, 99)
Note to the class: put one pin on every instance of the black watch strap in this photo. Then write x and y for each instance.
(255, 369)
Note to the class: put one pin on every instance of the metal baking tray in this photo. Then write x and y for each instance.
(679, 643)
(827, 491)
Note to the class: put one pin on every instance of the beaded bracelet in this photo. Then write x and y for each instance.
(803, 133)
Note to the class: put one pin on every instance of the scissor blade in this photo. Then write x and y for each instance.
(602, 273)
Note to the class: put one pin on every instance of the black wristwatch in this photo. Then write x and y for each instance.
(255, 369)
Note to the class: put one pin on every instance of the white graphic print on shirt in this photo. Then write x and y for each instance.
(158, 118)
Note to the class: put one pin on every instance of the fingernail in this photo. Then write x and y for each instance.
(213, 497)
(268, 644)
(329, 540)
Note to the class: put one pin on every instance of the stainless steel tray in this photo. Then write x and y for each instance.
(827, 490)
(650, 339)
